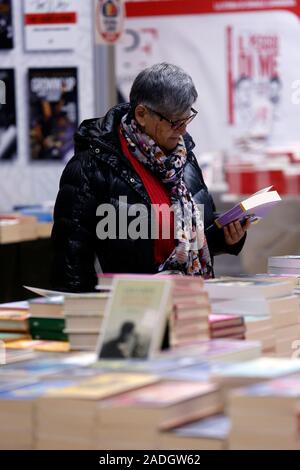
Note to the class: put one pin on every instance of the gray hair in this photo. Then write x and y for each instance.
(165, 88)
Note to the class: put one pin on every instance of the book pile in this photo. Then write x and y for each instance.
(217, 350)
(67, 418)
(205, 434)
(163, 405)
(261, 329)
(17, 411)
(16, 228)
(47, 319)
(190, 311)
(43, 215)
(189, 305)
(14, 324)
(227, 326)
(285, 265)
(266, 415)
(13, 321)
(242, 374)
(84, 317)
(263, 298)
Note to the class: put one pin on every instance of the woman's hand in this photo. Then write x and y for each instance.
(235, 231)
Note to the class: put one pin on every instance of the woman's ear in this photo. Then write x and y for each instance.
(140, 114)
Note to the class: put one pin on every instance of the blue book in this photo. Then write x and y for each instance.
(214, 427)
(45, 366)
(35, 390)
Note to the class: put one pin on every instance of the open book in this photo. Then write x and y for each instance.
(254, 208)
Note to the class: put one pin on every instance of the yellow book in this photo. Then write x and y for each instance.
(104, 386)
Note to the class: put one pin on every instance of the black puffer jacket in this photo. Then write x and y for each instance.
(97, 174)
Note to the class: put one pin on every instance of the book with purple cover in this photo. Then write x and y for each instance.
(254, 208)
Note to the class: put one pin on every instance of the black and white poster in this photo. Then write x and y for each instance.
(8, 128)
(53, 113)
(6, 28)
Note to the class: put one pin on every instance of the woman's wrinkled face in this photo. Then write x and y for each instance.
(159, 128)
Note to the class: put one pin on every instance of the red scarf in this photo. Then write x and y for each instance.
(158, 195)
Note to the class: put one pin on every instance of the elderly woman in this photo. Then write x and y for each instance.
(138, 158)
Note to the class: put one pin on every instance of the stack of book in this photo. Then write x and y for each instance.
(261, 329)
(67, 418)
(218, 350)
(84, 317)
(227, 326)
(21, 385)
(17, 411)
(261, 297)
(14, 324)
(48, 328)
(13, 321)
(44, 216)
(266, 415)
(189, 310)
(159, 406)
(205, 434)
(242, 374)
(279, 330)
(286, 267)
(289, 265)
(189, 305)
(17, 227)
(189, 319)
(47, 319)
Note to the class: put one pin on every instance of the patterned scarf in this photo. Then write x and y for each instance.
(191, 255)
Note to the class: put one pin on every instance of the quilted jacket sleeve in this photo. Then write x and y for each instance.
(74, 229)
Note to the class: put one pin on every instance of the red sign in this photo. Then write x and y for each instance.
(51, 18)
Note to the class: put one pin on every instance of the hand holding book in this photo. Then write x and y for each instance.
(249, 210)
(235, 231)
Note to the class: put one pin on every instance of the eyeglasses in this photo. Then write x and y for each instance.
(176, 124)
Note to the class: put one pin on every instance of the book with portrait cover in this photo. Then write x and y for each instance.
(8, 127)
(135, 318)
(6, 28)
(53, 113)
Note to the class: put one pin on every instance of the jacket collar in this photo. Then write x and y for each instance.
(100, 136)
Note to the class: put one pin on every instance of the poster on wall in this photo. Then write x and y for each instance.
(6, 28)
(245, 78)
(50, 25)
(8, 128)
(53, 113)
(254, 85)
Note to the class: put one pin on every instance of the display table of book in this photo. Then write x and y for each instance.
(241, 391)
